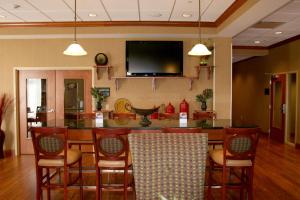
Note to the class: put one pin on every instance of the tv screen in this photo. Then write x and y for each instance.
(154, 58)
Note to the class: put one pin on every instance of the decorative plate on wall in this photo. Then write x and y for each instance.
(120, 105)
(101, 59)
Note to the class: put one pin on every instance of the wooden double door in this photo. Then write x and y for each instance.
(278, 107)
(50, 95)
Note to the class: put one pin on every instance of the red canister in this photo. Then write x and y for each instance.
(154, 115)
(184, 107)
(170, 108)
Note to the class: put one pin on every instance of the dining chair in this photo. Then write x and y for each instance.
(112, 153)
(238, 153)
(168, 165)
(203, 115)
(51, 152)
(124, 116)
(181, 130)
(83, 116)
(168, 115)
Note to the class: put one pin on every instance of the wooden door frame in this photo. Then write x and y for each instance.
(16, 110)
(282, 79)
(297, 95)
(296, 114)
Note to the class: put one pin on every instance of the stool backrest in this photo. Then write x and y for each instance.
(49, 143)
(87, 115)
(124, 116)
(181, 130)
(111, 144)
(240, 143)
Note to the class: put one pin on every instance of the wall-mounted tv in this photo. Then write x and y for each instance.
(154, 58)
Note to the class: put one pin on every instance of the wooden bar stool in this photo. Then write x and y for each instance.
(51, 152)
(83, 116)
(238, 153)
(124, 116)
(112, 153)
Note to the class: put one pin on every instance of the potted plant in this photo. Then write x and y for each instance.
(206, 94)
(5, 102)
(98, 96)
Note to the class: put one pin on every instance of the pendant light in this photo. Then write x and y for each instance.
(75, 49)
(199, 49)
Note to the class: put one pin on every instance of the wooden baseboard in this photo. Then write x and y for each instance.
(297, 146)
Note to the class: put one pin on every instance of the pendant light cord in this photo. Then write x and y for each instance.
(199, 21)
(75, 17)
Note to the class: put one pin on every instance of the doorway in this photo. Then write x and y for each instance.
(278, 107)
(283, 107)
(290, 136)
(46, 95)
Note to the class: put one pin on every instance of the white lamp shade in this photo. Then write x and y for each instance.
(199, 50)
(75, 49)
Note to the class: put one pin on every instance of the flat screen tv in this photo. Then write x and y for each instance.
(154, 58)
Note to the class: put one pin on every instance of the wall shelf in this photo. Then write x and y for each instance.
(209, 69)
(154, 80)
(105, 67)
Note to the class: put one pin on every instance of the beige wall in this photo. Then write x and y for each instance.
(222, 78)
(48, 53)
(251, 77)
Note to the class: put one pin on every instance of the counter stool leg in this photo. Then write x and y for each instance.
(80, 178)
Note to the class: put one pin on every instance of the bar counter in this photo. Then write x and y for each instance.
(134, 124)
(80, 129)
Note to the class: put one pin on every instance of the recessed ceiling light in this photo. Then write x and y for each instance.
(186, 15)
(278, 32)
(257, 42)
(92, 15)
(2, 16)
(155, 14)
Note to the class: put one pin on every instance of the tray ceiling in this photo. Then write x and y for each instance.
(111, 10)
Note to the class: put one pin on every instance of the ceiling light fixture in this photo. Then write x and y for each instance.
(156, 14)
(2, 16)
(75, 49)
(257, 42)
(186, 15)
(278, 32)
(199, 49)
(92, 15)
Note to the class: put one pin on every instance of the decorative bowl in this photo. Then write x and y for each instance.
(143, 112)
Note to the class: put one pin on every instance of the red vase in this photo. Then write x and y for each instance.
(184, 107)
(170, 108)
(154, 115)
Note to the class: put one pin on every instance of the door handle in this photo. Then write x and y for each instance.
(283, 108)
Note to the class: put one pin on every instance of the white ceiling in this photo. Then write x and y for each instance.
(110, 10)
(289, 15)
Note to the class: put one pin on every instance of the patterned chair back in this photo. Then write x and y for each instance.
(111, 144)
(49, 143)
(87, 115)
(181, 130)
(170, 165)
(241, 143)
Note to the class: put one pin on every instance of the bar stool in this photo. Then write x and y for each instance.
(51, 152)
(238, 153)
(112, 153)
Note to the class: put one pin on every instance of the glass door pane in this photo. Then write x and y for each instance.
(73, 97)
(277, 105)
(36, 102)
